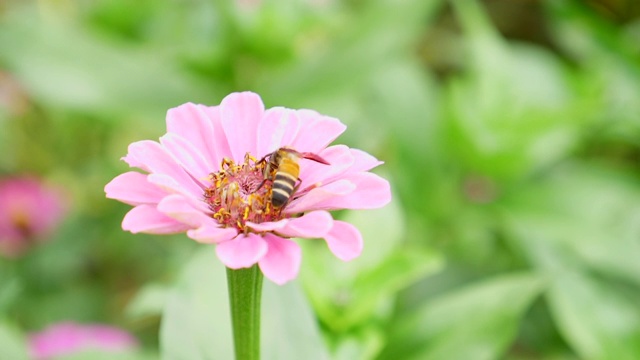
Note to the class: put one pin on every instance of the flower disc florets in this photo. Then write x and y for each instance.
(240, 193)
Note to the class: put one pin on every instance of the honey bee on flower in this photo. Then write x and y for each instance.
(232, 175)
(283, 171)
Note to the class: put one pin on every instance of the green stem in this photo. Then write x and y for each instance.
(245, 290)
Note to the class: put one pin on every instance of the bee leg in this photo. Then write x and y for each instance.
(261, 184)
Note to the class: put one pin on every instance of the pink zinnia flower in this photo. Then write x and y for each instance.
(29, 212)
(69, 338)
(212, 174)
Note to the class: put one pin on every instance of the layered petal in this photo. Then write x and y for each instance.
(317, 198)
(369, 191)
(240, 115)
(209, 233)
(187, 155)
(316, 131)
(147, 219)
(313, 173)
(344, 241)
(281, 263)
(193, 213)
(363, 161)
(242, 252)
(314, 224)
(192, 123)
(133, 188)
(219, 143)
(184, 210)
(278, 128)
(150, 156)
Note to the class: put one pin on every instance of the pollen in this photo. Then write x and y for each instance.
(239, 193)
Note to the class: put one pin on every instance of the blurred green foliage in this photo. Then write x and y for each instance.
(510, 133)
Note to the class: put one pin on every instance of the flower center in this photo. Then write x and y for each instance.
(239, 193)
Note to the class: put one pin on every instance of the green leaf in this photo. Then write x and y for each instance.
(580, 228)
(12, 344)
(149, 301)
(347, 294)
(475, 322)
(596, 318)
(289, 327)
(65, 66)
(196, 323)
(590, 212)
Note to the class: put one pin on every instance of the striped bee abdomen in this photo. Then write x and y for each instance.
(284, 183)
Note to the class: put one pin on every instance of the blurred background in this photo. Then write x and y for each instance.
(510, 131)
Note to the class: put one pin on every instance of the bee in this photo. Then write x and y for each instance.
(284, 162)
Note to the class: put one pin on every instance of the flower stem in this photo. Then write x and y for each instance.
(245, 290)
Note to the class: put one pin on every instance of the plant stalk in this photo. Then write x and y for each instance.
(245, 291)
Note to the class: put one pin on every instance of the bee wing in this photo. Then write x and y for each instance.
(315, 157)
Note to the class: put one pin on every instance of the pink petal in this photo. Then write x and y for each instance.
(171, 186)
(316, 131)
(211, 234)
(193, 123)
(316, 198)
(156, 160)
(371, 192)
(313, 173)
(267, 226)
(344, 241)
(278, 128)
(282, 261)
(184, 210)
(146, 219)
(241, 114)
(313, 224)
(133, 188)
(187, 155)
(242, 252)
(363, 161)
(310, 225)
(219, 143)
(193, 213)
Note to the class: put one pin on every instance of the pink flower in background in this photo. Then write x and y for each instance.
(214, 173)
(69, 338)
(29, 212)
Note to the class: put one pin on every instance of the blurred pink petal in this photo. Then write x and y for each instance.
(29, 213)
(212, 176)
(68, 338)
(282, 262)
(242, 252)
(344, 241)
